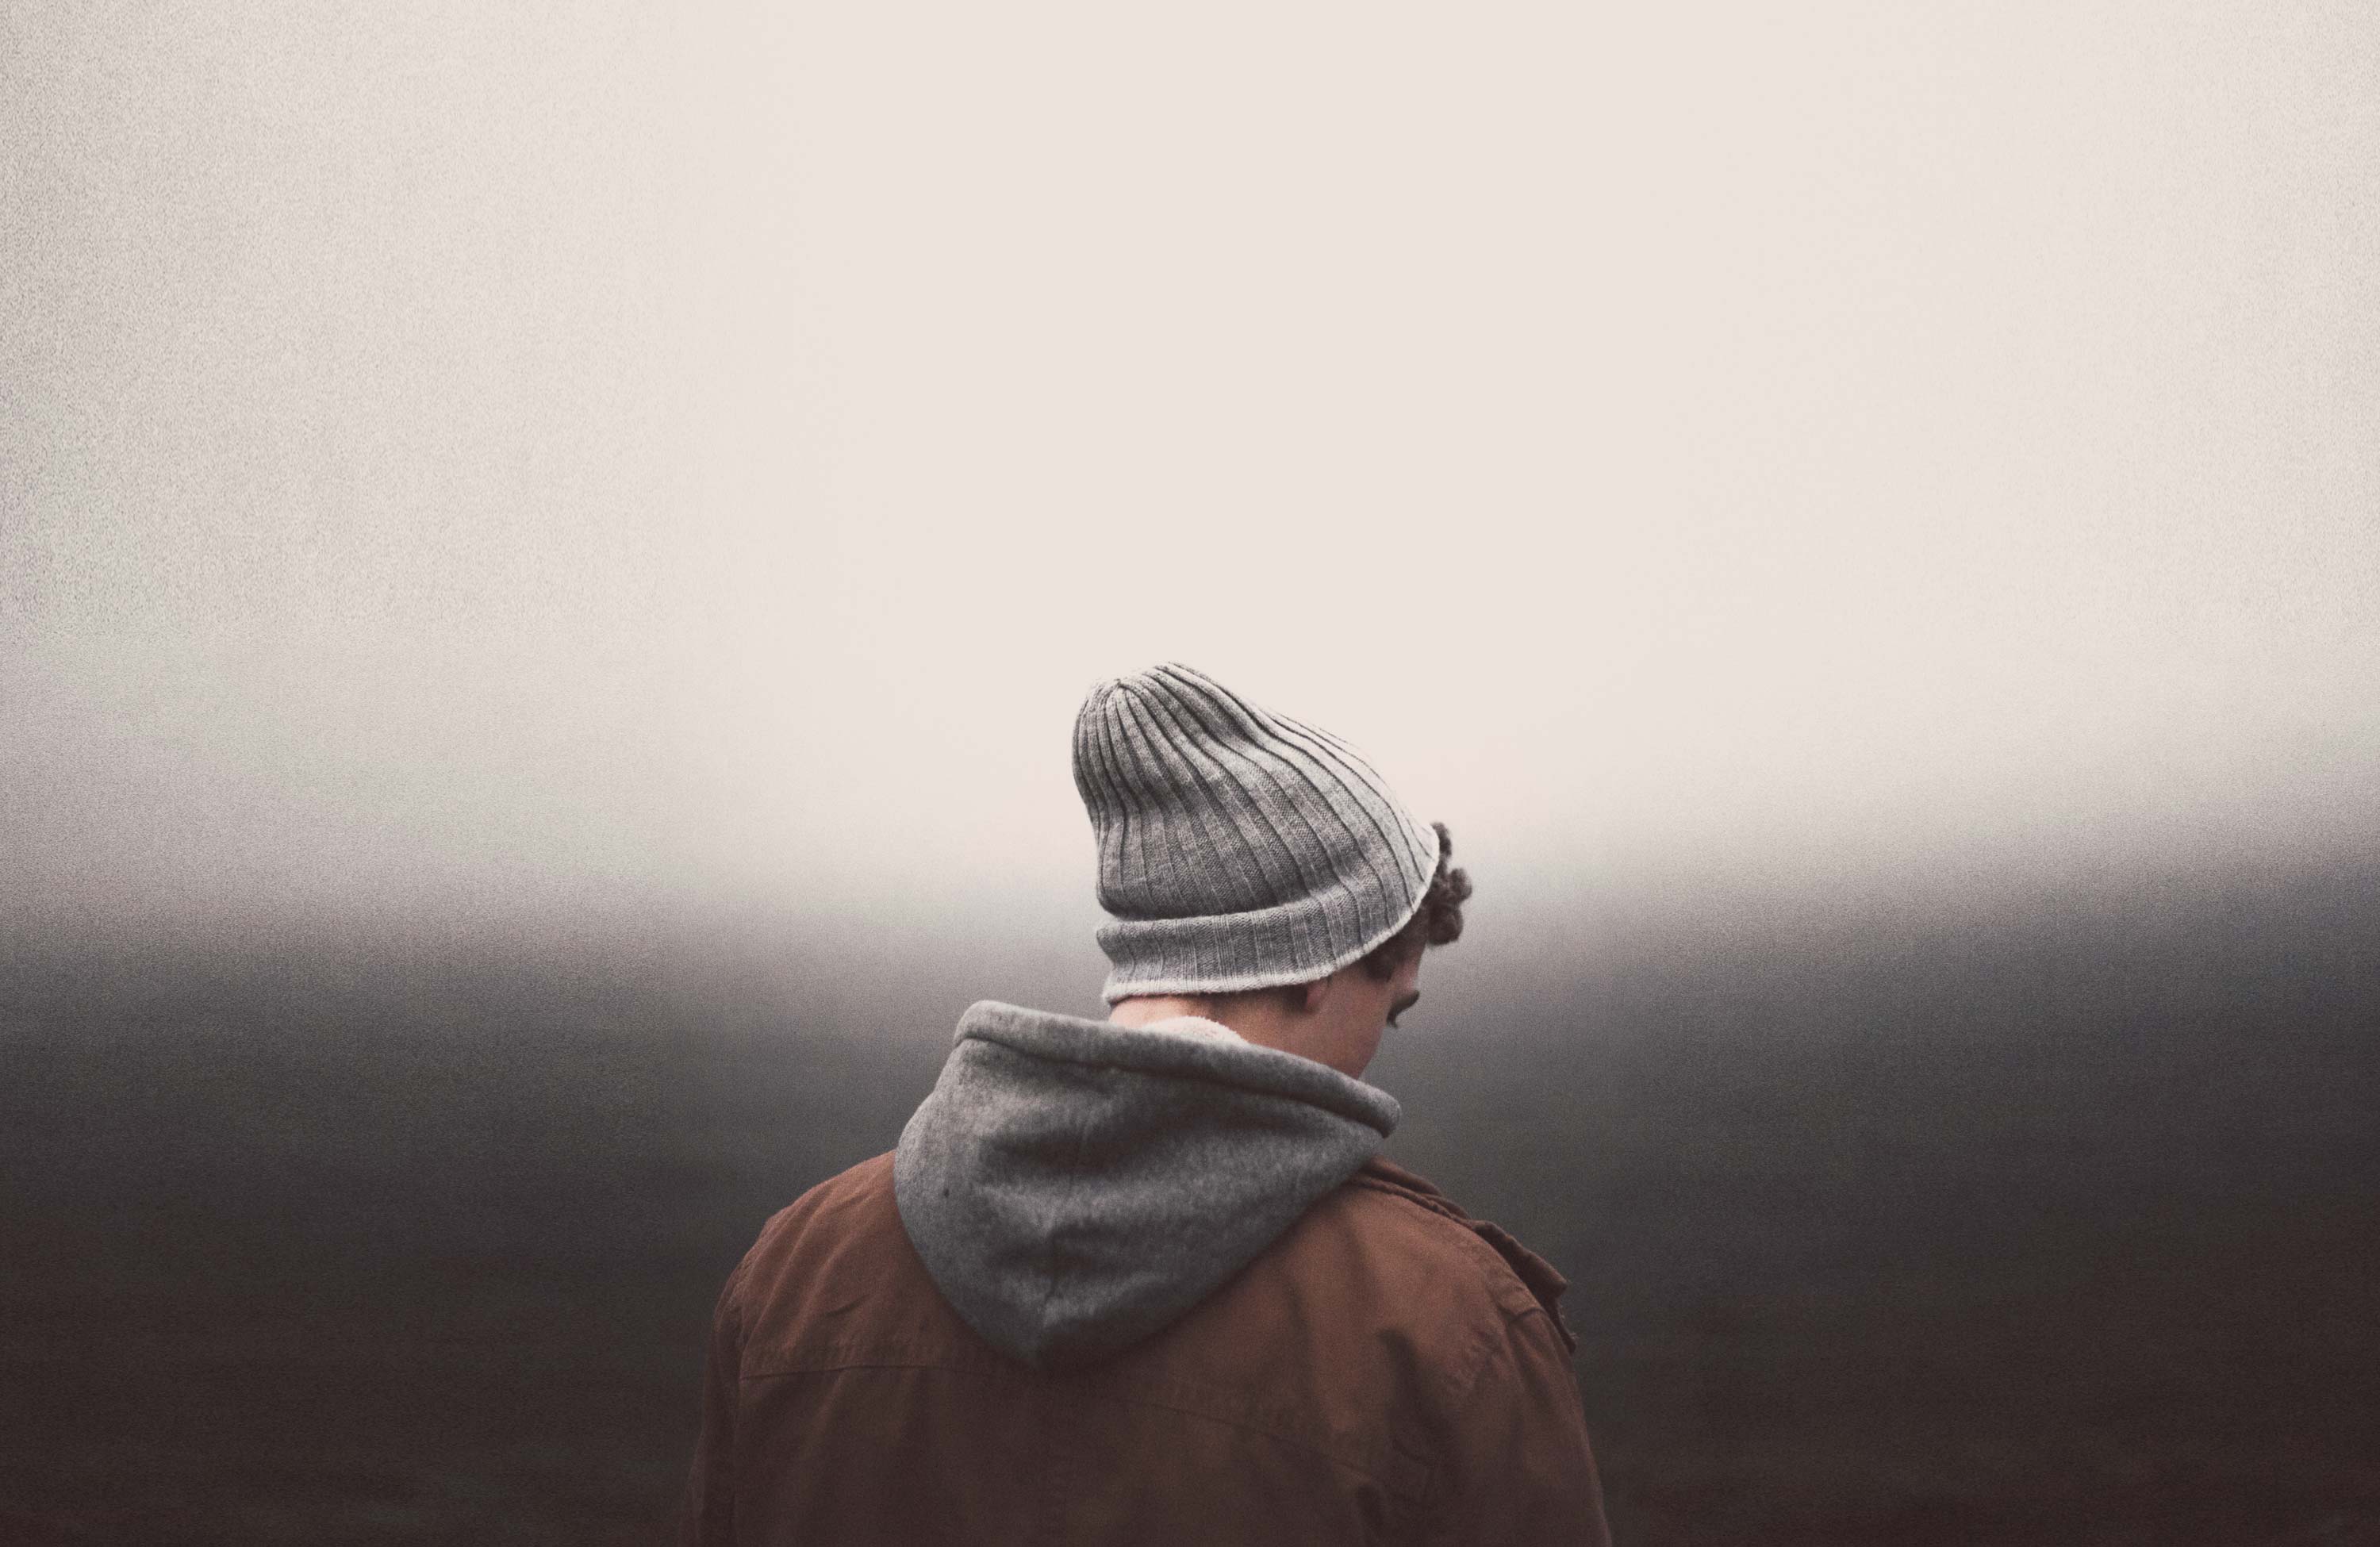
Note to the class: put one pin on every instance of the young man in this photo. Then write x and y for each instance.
(1146, 1280)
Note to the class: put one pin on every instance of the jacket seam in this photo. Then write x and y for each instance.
(823, 1361)
(1468, 1387)
(1130, 1399)
(1243, 1426)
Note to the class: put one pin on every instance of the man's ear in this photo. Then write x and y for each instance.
(1310, 996)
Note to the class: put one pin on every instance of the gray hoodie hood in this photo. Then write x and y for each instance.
(1073, 1185)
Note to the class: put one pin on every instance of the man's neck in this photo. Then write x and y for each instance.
(1258, 1019)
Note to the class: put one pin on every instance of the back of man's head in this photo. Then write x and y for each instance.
(1241, 850)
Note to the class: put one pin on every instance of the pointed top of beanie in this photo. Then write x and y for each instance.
(1238, 848)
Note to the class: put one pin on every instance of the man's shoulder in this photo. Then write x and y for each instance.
(833, 1278)
(1414, 1221)
(859, 1186)
(844, 1213)
(1375, 1315)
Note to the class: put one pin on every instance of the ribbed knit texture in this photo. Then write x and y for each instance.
(1237, 848)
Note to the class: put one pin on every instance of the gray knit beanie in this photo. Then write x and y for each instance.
(1238, 848)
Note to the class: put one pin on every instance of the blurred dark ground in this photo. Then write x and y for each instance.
(2054, 1230)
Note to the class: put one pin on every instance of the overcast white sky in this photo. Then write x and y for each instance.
(455, 452)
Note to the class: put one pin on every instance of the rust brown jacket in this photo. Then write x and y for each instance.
(1360, 1363)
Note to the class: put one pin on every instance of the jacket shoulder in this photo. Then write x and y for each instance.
(833, 1272)
(1518, 1280)
(857, 1189)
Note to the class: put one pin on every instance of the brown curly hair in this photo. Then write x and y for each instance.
(1438, 921)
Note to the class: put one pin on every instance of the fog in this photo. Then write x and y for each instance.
(547, 556)
(474, 462)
